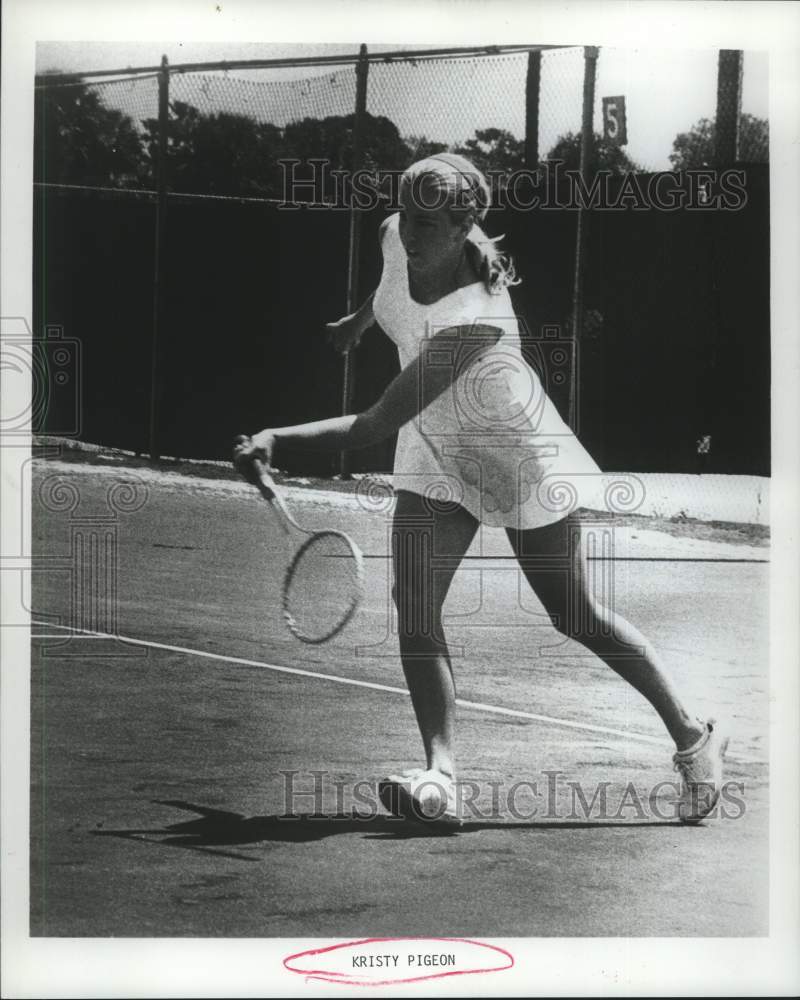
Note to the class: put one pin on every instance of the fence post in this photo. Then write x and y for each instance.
(532, 87)
(348, 389)
(158, 256)
(729, 106)
(590, 54)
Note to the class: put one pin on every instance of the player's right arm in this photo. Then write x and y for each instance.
(416, 387)
(345, 333)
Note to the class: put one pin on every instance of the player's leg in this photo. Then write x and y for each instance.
(553, 562)
(555, 565)
(428, 542)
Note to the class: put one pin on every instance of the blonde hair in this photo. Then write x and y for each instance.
(462, 188)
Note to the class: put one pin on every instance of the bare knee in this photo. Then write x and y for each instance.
(584, 619)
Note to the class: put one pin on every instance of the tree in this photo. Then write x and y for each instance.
(231, 154)
(332, 139)
(494, 149)
(603, 155)
(78, 140)
(420, 146)
(218, 153)
(695, 148)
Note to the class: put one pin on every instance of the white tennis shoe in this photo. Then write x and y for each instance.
(425, 796)
(700, 767)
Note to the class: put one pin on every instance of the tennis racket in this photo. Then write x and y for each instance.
(324, 582)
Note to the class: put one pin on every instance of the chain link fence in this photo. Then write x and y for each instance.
(560, 101)
(93, 134)
(229, 130)
(256, 135)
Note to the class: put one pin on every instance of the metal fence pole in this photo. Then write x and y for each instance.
(348, 388)
(158, 256)
(590, 54)
(532, 88)
(729, 106)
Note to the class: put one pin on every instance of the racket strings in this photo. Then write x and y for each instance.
(324, 585)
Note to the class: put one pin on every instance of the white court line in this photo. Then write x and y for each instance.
(374, 686)
(99, 635)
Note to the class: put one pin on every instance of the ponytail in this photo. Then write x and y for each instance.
(495, 268)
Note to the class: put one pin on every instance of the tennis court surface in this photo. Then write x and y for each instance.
(165, 763)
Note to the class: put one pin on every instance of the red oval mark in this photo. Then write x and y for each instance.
(389, 961)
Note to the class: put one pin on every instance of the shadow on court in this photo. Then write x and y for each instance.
(157, 769)
(216, 827)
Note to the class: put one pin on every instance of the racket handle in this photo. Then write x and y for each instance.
(267, 489)
(264, 480)
(265, 484)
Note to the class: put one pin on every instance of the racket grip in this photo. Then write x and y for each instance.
(257, 472)
(250, 463)
(265, 484)
(267, 489)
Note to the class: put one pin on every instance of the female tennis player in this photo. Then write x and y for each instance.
(479, 442)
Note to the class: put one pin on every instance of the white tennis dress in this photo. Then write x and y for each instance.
(493, 441)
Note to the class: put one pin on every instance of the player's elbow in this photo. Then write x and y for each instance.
(369, 428)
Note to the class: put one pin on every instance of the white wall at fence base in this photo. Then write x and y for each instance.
(741, 499)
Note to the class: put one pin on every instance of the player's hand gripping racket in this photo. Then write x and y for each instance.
(324, 583)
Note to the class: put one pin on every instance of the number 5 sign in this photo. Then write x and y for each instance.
(614, 124)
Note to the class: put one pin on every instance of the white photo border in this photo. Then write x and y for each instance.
(552, 966)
